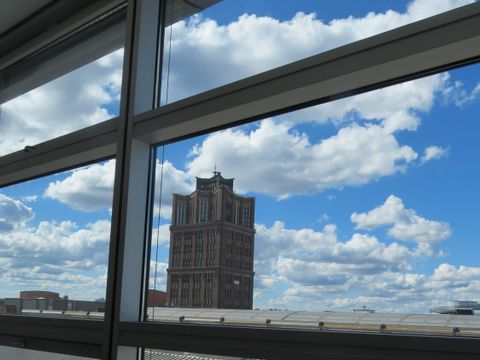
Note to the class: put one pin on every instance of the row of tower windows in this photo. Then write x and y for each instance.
(230, 294)
(237, 280)
(237, 264)
(242, 214)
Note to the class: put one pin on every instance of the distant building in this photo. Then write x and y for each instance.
(458, 308)
(47, 301)
(211, 247)
(156, 298)
(50, 295)
(364, 309)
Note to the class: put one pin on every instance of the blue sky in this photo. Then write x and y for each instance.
(370, 200)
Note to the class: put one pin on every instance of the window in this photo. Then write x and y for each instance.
(246, 216)
(73, 98)
(15, 353)
(54, 236)
(181, 212)
(351, 167)
(229, 41)
(203, 211)
(340, 159)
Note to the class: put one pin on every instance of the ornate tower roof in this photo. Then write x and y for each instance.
(215, 181)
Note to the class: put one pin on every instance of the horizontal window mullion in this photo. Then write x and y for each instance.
(78, 148)
(68, 336)
(432, 45)
(284, 344)
(26, 40)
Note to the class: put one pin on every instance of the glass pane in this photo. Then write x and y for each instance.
(154, 354)
(61, 90)
(54, 239)
(23, 354)
(223, 41)
(349, 214)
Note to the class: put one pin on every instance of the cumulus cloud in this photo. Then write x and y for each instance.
(87, 189)
(56, 256)
(168, 181)
(162, 234)
(389, 291)
(81, 98)
(315, 270)
(363, 150)
(306, 256)
(76, 286)
(62, 244)
(354, 156)
(396, 108)
(158, 279)
(222, 53)
(404, 223)
(252, 44)
(13, 212)
(433, 153)
(51, 253)
(448, 272)
(456, 93)
(91, 188)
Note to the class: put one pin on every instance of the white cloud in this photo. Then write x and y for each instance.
(175, 181)
(395, 108)
(356, 155)
(323, 218)
(388, 291)
(448, 272)
(456, 93)
(12, 213)
(162, 234)
(76, 286)
(252, 44)
(158, 275)
(91, 188)
(221, 53)
(29, 198)
(62, 244)
(56, 256)
(315, 270)
(405, 223)
(69, 103)
(433, 153)
(87, 189)
(306, 256)
(52, 255)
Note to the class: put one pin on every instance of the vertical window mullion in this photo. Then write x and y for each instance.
(134, 178)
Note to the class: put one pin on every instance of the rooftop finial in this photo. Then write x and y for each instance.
(215, 172)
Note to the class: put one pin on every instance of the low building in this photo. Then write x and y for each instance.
(458, 308)
(47, 300)
(50, 295)
(156, 298)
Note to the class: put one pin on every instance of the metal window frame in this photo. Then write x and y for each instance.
(429, 46)
(269, 343)
(70, 336)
